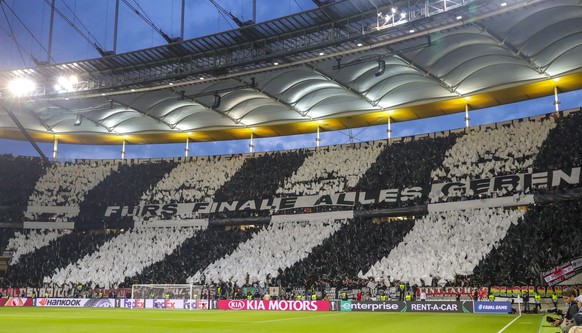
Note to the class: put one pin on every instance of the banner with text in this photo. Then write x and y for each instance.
(76, 302)
(273, 305)
(177, 304)
(407, 306)
(524, 182)
(492, 307)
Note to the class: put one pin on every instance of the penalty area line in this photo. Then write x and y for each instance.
(511, 322)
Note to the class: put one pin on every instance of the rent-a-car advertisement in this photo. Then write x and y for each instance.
(273, 305)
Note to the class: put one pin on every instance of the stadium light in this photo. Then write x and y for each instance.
(66, 84)
(21, 87)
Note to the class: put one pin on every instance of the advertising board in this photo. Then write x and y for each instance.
(279, 305)
(493, 307)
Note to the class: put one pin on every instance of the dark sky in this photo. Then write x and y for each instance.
(29, 29)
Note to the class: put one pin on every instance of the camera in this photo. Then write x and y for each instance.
(551, 319)
(559, 312)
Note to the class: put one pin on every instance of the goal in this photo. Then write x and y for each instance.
(161, 291)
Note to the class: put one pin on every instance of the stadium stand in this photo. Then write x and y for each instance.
(123, 256)
(562, 149)
(478, 244)
(193, 181)
(276, 247)
(123, 187)
(18, 177)
(31, 268)
(546, 237)
(331, 170)
(352, 249)
(66, 185)
(486, 152)
(194, 254)
(424, 255)
(260, 177)
(23, 243)
(398, 166)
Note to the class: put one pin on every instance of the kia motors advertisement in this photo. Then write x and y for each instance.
(493, 307)
(16, 301)
(273, 305)
(76, 302)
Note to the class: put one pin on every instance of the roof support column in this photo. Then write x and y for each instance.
(389, 129)
(467, 115)
(317, 138)
(187, 150)
(115, 26)
(182, 21)
(556, 100)
(50, 37)
(251, 145)
(123, 150)
(55, 148)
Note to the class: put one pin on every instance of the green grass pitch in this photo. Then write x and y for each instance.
(32, 320)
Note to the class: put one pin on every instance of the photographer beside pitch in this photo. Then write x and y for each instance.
(567, 322)
(577, 317)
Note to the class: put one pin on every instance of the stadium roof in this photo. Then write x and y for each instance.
(348, 64)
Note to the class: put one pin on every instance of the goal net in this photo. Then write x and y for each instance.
(171, 291)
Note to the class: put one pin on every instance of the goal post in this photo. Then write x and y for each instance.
(161, 291)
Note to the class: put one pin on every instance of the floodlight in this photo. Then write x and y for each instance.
(66, 83)
(21, 87)
(79, 120)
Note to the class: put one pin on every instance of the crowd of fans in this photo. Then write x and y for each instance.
(122, 187)
(278, 246)
(260, 177)
(5, 235)
(352, 249)
(489, 152)
(18, 177)
(27, 242)
(547, 237)
(423, 255)
(194, 181)
(308, 251)
(123, 256)
(398, 167)
(331, 170)
(194, 254)
(562, 149)
(31, 268)
(66, 185)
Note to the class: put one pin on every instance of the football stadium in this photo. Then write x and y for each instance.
(466, 226)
